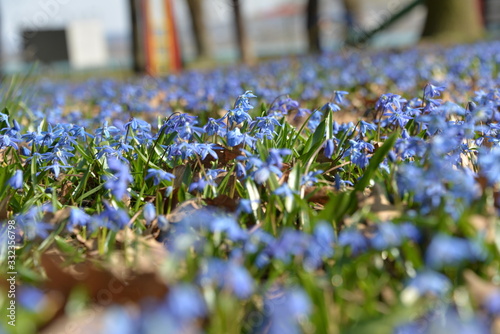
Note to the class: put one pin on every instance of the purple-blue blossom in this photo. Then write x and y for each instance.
(16, 180)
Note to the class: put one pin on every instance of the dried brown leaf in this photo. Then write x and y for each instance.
(478, 287)
(378, 204)
(223, 201)
(319, 195)
(4, 206)
(57, 217)
(99, 281)
(183, 210)
(485, 225)
(145, 256)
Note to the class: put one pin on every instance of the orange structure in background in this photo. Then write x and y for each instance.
(160, 37)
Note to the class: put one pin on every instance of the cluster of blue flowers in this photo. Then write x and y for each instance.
(237, 193)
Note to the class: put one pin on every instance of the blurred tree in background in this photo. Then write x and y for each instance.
(200, 32)
(312, 26)
(351, 17)
(137, 56)
(453, 21)
(244, 47)
(448, 21)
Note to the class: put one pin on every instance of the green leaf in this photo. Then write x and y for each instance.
(225, 180)
(84, 154)
(83, 182)
(90, 192)
(29, 276)
(294, 183)
(318, 136)
(329, 125)
(44, 125)
(254, 196)
(64, 246)
(375, 162)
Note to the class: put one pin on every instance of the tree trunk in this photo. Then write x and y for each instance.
(312, 25)
(244, 49)
(352, 17)
(198, 27)
(453, 21)
(137, 61)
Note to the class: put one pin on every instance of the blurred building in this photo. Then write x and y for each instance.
(275, 27)
(96, 33)
(81, 45)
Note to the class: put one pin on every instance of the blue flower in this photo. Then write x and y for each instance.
(135, 124)
(445, 250)
(239, 116)
(243, 101)
(398, 117)
(339, 96)
(234, 137)
(168, 191)
(310, 179)
(31, 298)
(357, 152)
(122, 146)
(448, 320)
(228, 276)
(262, 174)
(276, 156)
(329, 148)
(206, 149)
(388, 235)
(8, 141)
(149, 213)
(240, 171)
(409, 231)
(159, 175)
(285, 191)
(330, 107)
(106, 131)
(488, 161)
(198, 185)
(206, 180)
(290, 243)
(16, 181)
(229, 226)
(314, 120)
(4, 118)
(389, 102)
(431, 91)
(430, 282)
(266, 125)
(77, 217)
(117, 320)
(492, 303)
(285, 308)
(114, 218)
(186, 303)
(301, 112)
(244, 206)
(120, 179)
(257, 241)
(32, 224)
(213, 127)
(56, 168)
(366, 126)
(320, 247)
(354, 239)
